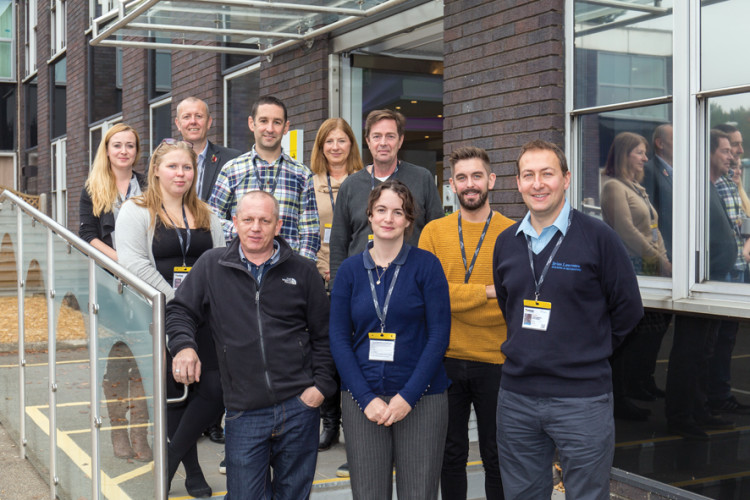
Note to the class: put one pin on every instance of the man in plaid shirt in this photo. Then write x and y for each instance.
(267, 168)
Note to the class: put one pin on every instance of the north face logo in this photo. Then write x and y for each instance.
(289, 281)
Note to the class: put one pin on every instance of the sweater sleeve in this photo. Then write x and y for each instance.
(317, 324)
(434, 287)
(342, 339)
(463, 296)
(433, 204)
(133, 242)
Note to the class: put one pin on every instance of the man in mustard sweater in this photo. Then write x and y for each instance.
(464, 242)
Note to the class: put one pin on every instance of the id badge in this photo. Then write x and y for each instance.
(327, 233)
(382, 346)
(654, 233)
(370, 237)
(179, 274)
(536, 315)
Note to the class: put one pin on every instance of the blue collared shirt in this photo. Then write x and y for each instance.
(257, 271)
(539, 241)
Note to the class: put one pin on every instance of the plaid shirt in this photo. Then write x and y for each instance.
(733, 205)
(294, 190)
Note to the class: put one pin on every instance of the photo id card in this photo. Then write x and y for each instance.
(327, 233)
(178, 275)
(536, 315)
(382, 346)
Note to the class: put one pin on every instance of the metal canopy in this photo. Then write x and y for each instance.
(229, 26)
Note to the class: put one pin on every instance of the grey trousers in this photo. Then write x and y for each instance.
(414, 446)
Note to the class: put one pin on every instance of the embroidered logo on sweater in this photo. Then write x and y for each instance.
(564, 266)
(289, 281)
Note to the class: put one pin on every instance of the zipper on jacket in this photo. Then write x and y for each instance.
(263, 346)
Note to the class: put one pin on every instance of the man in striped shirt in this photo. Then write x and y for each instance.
(267, 168)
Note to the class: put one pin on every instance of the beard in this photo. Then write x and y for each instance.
(475, 204)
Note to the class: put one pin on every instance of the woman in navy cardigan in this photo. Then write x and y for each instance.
(389, 327)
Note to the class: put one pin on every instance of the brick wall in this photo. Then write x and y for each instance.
(299, 77)
(42, 183)
(77, 145)
(503, 83)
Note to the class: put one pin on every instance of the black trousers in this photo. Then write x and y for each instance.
(474, 383)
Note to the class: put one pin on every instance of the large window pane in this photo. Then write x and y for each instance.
(58, 108)
(622, 54)
(618, 172)
(31, 114)
(8, 116)
(728, 205)
(242, 92)
(723, 39)
(105, 95)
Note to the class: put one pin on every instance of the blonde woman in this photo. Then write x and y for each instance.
(112, 181)
(163, 233)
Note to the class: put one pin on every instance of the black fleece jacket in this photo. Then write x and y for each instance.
(271, 340)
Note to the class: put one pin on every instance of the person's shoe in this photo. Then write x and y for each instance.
(650, 386)
(197, 486)
(328, 438)
(712, 423)
(223, 466)
(215, 433)
(121, 444)
(641, 393)
(626, 410)
(729, 405)
(687, 429)
(343, 470)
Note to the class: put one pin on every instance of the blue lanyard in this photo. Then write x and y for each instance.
(549, 260)
(183, 247)
(479, 245)
(330, 193)
(372, 174)
(384, 312)
(261, 185)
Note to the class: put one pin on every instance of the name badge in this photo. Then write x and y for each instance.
(382, 346)
(178, 275)
(536, 315)
(327, 233)
(370, 237)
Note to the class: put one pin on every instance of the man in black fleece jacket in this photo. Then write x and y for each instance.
(268, 313)
(569, 295)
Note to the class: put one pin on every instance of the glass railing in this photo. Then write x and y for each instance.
(82, 388)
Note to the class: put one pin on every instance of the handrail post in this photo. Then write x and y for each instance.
(96, 419)
(21, 330)
(51, 365)
(160, 397)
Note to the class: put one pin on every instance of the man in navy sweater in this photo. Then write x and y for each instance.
(569, 295)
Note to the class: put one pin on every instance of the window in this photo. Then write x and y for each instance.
(160, 72)
(105, 82)
(31, 113)
(161, 122)
(7, 116)
(241, 90)
(58, 27)
(6, 39)
(59, 98)
(100, 7)
(58, 191)
(30, 43)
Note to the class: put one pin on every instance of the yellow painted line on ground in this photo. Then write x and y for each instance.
(708, 479)
(675, 438)
(145, 469)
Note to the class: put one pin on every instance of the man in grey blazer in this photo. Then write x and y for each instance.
(193, 121)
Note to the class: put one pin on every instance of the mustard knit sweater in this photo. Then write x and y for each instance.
(477, 325)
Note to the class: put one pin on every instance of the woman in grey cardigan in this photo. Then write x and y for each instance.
(160, 236)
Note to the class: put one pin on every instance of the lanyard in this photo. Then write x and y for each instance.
(549, 260)
(372, 174)
(382, 314)
(479, 245)
(183, 247)
(330, 193)
(261, 185)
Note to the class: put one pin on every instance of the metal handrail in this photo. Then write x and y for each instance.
(158, 303)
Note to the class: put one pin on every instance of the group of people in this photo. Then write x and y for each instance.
(342, 292)
(636, 201)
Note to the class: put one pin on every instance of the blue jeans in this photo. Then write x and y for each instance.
(282, 438)
(528, 430)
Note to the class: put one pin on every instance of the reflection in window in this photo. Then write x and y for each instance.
(723, 38)
(105, 88)
(728, 202)
(31, 114)
(242, 91)
(8, 116)
(6, 39)
(627, 186)
(622, 54)
(58, 107)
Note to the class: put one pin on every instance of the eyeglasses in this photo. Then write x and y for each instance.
(173, 142)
